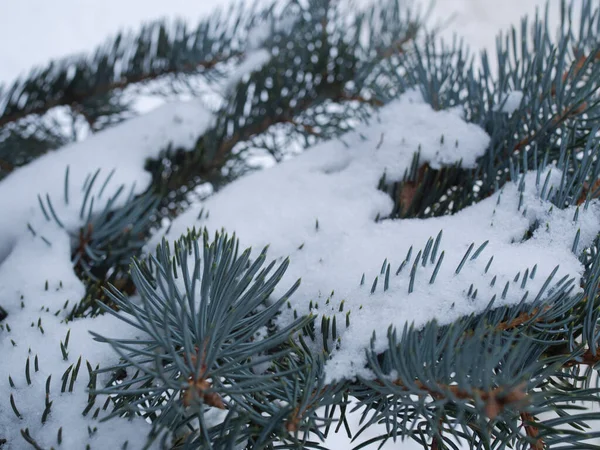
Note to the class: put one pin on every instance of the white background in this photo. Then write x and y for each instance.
(34, 31)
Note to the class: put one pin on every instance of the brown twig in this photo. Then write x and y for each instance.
(587, 359)
(594, 189)
(398, 47)
(568, 112)
(437, 443)
(292, 424)
(199, 385)
(74, 97)
(5, 166)
(495, 400)
(577, 65)
(522, 318)
(344, 96)
(408, 190)
(307, 128)
(85, 237)
(557, 119)
(532, 431)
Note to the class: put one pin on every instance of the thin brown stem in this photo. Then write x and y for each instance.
(73, 97)
(556, 120)
(568, 112)
(399, 47)
(408, 190)
(589, 358)
(199, 385)
(532, 431)
(496, 400)
(522, 318)
(5, 166)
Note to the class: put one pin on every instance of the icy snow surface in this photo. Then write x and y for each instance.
(321, 208)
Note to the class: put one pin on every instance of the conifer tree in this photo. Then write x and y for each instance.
(221, 353)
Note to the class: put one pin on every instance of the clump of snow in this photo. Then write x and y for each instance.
(124, 147)
(252, 62)
(341, 174)
(508, 267)
(511, 102)
(321, 208)
(258, 34)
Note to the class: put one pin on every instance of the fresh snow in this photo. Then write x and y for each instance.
(35, 300)
(511, 102)
(280, 207)
(124, 148)
(38, 286)
(321, 209)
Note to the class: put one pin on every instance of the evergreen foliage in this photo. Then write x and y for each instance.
(215, 370)
(97, 88)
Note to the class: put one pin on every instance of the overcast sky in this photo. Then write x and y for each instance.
(34, 31)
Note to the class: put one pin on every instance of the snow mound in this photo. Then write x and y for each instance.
(321, 208)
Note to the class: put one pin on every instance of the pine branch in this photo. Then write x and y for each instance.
(5, 166)
(589, 358)
(158, 50)
(436, 443)
(208, 355)
(109, 237)
(336, 94)
(535, 316)
(99, 89)
(555, 122)
(297, 87)
(495, 400)
(204, 308)
(558, 113)
(73, 96)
